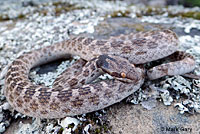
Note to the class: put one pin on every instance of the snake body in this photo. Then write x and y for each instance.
(74, 94)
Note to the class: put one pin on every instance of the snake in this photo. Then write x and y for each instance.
(75, 91)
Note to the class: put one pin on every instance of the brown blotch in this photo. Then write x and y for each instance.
(94, 99)
(17, 80)
(126, 49)
(83, 82)
(92, 67)
(19, 102)
(25, 60)
(65, 95)
(175, 36)
(64, 44)
(104, 49)
(153, 32)
(101, 42)
(34, 106)
(152, 45)
(22, 84)
(63, 81)
(29, 93)
(8, 74)
(52, 48)
(73, 43)
(86, 73)
(77, 102)
(17, 62)
(12, 86)
(89, 63)
(78, 72)
(27, 98)
(22, 67)
(54, 106)
(18, 90)
(146, 34)
(117, 44)
(44, 112)
(26, 111)
(58, 79)
(162, 47)
(44, 97)
(163, 69)
(49, 54)
(157, 37)
(139, 42)
(87, 41)
(84, 90)
(44, 50)
(57, 88)
(66, 110)
(14, 69)
(21, 57)
(14, 74)
(56, 83)
(76, 66)
(80, 39)
(92, 47)
(121, 88)
(23, 74)
(167, 31)
(73, 82)
(8, 80)
(140, 53)
(43, 89)
(84, 53)
(75, 49)
(79, 46)
(108, 94)
(97, 87)
(11, 98)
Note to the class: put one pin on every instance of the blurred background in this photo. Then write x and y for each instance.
(186, 3)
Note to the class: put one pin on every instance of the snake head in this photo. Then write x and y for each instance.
(119, 68)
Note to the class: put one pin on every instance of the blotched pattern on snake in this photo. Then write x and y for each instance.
(72, 92)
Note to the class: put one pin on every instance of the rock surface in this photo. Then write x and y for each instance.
(134, 119)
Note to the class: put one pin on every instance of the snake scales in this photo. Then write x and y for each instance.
(72, 92)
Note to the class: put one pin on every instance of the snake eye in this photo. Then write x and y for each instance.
(123, 75)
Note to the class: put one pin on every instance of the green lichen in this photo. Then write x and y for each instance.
(119, 13)
(190, 3)
(6, 17)
(71, 125)
(97, 131)
(150, 11)
(61, 7)
(138, 27)
(99, 126)
(60, 131)
(190, 14)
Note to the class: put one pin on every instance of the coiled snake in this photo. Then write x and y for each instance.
(72, 92)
